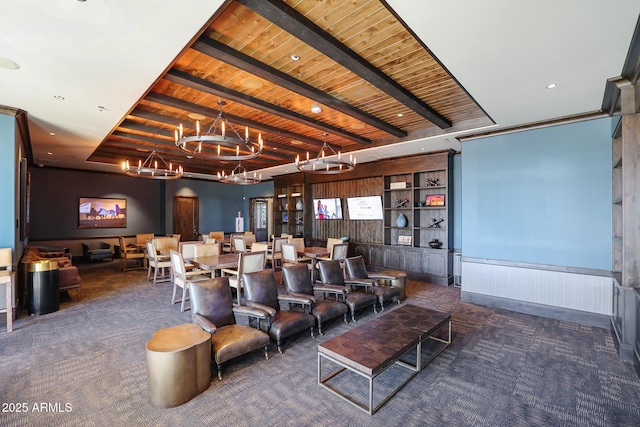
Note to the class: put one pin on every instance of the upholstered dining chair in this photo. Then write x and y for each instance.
(213, 310)
(261, 291)
(357, 271)
(187, 251)
(183, 279)
(130, 252)
(259, 247)
(209, 249)
(248, 239)
(298, 282)
(218, 235)
(158, 263)
(248, 262)
(299, 243)
(330, 243)
(238, 245)
(360, 294)
(275, 256)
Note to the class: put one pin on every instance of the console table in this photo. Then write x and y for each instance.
(369, 349)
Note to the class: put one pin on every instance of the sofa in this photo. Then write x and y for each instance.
(96, 250)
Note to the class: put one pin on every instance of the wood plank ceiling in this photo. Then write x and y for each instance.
(375, 82)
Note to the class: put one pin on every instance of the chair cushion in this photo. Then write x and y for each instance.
(286, 323)
(386, 293)
(358, 300)
(235, 340)
(327, 309)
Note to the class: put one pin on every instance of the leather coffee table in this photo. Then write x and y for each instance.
(369, 349)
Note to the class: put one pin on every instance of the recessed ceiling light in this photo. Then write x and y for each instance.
(8, 64)
(400, 114)
(50, 153)
(252, 83)
(316, 109)
(295, 57)
(422, 149)
(196, 116)
(552, 85)
(52, 133)
(189, 157)
(296, 142)
(59, 97)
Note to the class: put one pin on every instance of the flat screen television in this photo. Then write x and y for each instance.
(327, 208)
(362, 208)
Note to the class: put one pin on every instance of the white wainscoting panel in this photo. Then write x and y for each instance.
(574, 291)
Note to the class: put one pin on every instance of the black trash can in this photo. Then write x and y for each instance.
(43, 287)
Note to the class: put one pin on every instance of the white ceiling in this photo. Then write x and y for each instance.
(108, 53)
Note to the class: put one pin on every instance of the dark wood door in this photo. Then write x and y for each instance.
(259, 219)
(185, 217)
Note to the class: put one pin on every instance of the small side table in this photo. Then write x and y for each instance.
(178, 365)
(399, 281)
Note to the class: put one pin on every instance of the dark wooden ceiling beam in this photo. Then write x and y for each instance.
(293, 22)
(206, 86)
(210, 112)
(244, 62)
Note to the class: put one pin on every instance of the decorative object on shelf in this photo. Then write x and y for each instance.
(402, 220)
(324, 165)
(435, 244)
(240, 176)
(421, 203)
(149, 168)
(286, 206)
(220, 142)
(401, 203)
(285, 218)
(299, 205)
(299, 221)
(434, 200)
(435, 223)
(397, 185)
(404, 240)
(432, 182)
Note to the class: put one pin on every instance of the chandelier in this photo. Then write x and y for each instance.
(151, 168)
(323, 165)
(220, 142)
(240, 176)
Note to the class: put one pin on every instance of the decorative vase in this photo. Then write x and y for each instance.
(435, 244)
(299, 205)
(401, 221)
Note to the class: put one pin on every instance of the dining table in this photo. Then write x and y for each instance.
(215, 262)
(314, 252)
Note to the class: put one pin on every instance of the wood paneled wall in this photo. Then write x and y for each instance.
(358, 231)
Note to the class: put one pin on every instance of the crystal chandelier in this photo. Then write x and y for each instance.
(220, 141)
(240, 176)
(324, 165)
(151, 168)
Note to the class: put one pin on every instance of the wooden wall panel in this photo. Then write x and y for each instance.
(358, 231)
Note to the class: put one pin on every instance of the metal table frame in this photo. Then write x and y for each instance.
(414, 368)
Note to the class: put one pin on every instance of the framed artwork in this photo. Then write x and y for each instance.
(102, 213)
(434, 200)
(404, 240)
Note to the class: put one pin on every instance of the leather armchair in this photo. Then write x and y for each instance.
(261, 291)
(360, 293)
(357, 271)
(298, 282)
(213, 310)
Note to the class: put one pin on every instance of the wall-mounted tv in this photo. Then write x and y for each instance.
(327, 208)
(369, 207)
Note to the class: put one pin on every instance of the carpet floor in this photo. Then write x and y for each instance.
(84, 365)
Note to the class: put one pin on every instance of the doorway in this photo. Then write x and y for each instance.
(185, 217)
(259, 217)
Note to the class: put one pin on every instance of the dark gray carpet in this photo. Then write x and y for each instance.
(502, 369)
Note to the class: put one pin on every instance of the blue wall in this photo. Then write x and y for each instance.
(542, 196)
(8, 173)
(457, 202)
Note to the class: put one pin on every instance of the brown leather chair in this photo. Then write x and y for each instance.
(212, 309)
(298, 282)
(360, 294)
(261, 291)
(357, 271)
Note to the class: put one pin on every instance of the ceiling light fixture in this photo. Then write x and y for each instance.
(59, 97)
(220, 142)
(323, 165)
(295, 57)
(552, 85)
(149, 168)
(240, 176)
(316, 109)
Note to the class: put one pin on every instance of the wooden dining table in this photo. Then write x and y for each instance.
(314, 252)
(215, 262)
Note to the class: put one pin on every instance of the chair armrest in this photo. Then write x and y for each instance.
(229, 271)
(270, 310)
(381, 277)
(361, 282)
(296, 298)
(244, 310)
(204, 323)
(329, 288)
